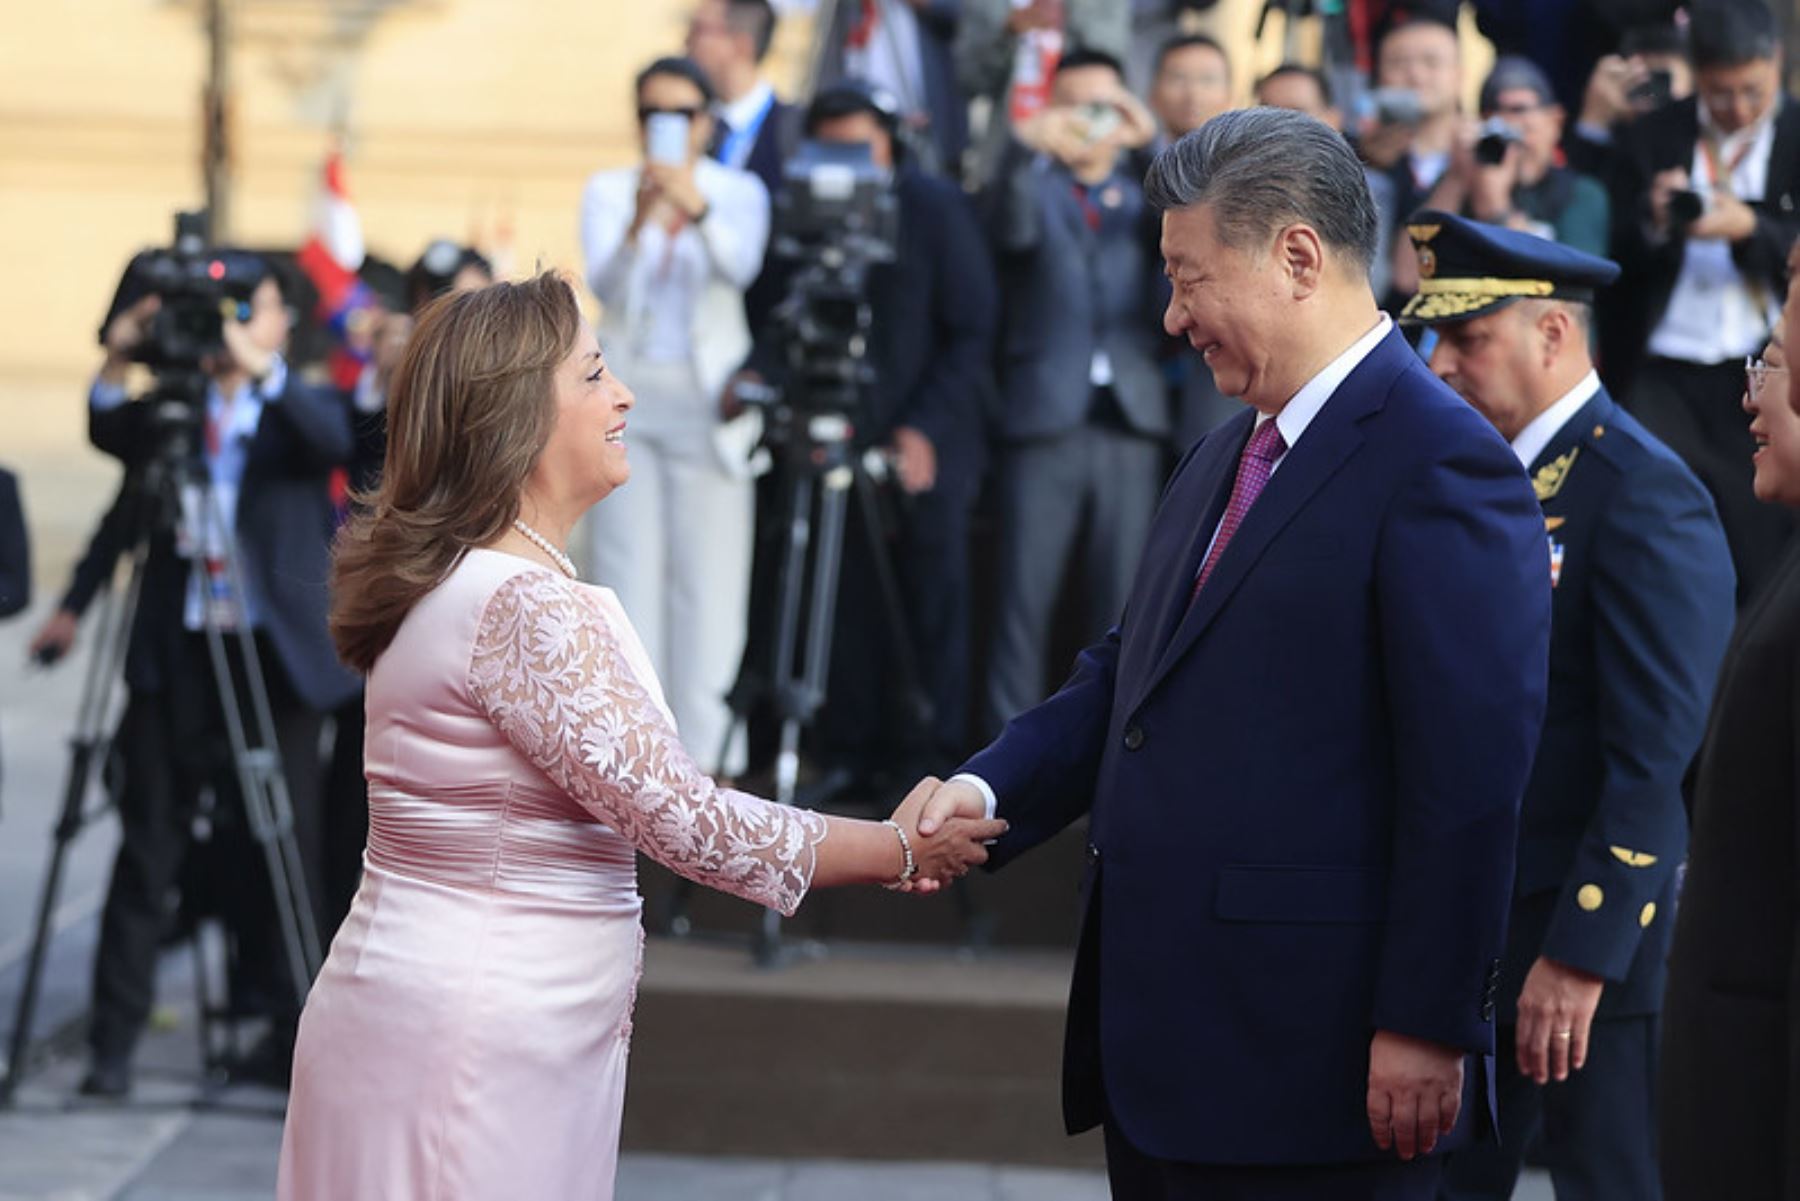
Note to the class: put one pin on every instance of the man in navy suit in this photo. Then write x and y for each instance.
(1641, 611)
(1302, 748)
(269, 444)
(756, 131)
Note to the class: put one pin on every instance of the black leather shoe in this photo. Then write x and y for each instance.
(108, 1078)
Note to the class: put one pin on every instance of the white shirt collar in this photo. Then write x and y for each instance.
(744, 112)
(1751, 133)
(1546, 425)
(1298, 413)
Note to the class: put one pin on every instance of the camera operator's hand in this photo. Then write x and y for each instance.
(729, 403)
(1058, 131)
(676, 184)
(1492, 186)
(915, 460)
(123, 334)
(1726, 218)
(1675, 179)
(54, 639)
(250, 358)
(1383, 144)
(1607, 100)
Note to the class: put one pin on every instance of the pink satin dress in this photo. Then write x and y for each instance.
(467, 1037)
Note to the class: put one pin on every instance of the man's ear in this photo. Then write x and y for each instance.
(1302, 252)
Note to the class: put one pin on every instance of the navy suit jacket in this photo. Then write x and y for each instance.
(1068, 291)
(1304, 787)
(1641, 612)
(284, 528)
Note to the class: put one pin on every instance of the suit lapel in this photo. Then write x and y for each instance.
(1203, 491)
(1330, 439)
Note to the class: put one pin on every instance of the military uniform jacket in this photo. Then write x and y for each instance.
(1641, 611)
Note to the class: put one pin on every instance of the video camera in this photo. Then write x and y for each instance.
(836, 216)
(199, 289)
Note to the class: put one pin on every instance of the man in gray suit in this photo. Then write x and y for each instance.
(1085, 407)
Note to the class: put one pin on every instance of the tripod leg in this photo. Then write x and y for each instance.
(919, 708)
(88, 746)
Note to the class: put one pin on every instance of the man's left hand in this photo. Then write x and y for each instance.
(915, 460)
(1728, 218)
(1415, 1092)
(1556, 1009)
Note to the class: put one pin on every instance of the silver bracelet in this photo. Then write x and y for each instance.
(907, 872)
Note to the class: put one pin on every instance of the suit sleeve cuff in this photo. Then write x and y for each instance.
(979, 785)
(103, 396)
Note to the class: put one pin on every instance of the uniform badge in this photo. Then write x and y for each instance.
(1556, 560)
(1552, 475)
(1111, 196)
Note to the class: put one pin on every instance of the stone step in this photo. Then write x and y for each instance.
(854, 1051)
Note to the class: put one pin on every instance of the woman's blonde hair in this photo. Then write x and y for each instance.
(471, 407)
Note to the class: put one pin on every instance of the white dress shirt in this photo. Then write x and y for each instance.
(744, 119)
(1545, 426)
(1714, 315)
(1292, 421)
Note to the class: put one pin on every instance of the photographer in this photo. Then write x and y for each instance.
(1085, 407)
(932, 314)
(267, 444)
(670, 247)
(1704, 211)
(1506, 173)
(1412, 130)
(1650, 71)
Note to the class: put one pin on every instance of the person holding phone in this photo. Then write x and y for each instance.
(670, 246)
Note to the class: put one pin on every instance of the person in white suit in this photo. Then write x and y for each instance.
(670, 246)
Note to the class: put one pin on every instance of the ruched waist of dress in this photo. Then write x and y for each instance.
(501, 836)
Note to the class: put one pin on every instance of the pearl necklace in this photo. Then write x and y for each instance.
(544, 544)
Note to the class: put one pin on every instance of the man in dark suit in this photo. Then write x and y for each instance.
(1085, 407)
(1303, 746)
(755, 130)
(1703, 214)
(268, 444)
(1640, 612)
(932, 315)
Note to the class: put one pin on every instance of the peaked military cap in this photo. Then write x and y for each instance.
(1468, 268)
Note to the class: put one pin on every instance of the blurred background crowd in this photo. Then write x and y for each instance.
(1022, 405)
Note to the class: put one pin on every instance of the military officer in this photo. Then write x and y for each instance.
(1641, 610)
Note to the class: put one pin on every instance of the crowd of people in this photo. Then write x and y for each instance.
(1032, 392)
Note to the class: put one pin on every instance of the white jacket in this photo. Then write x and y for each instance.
(734, 234)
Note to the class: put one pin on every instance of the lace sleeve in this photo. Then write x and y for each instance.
(549, 673)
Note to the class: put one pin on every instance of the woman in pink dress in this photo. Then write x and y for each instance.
(468, 1035)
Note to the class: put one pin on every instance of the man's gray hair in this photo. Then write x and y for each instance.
(1258, 169)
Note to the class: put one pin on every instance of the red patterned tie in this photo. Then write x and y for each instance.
(1254, 465)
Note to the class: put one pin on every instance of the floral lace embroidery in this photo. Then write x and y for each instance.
(637, 978)
(549, 672)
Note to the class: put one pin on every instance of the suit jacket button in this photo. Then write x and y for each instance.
(1134, 738)
(1093, 853)
(1487, 1011)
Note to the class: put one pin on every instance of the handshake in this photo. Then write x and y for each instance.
(945, 830)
